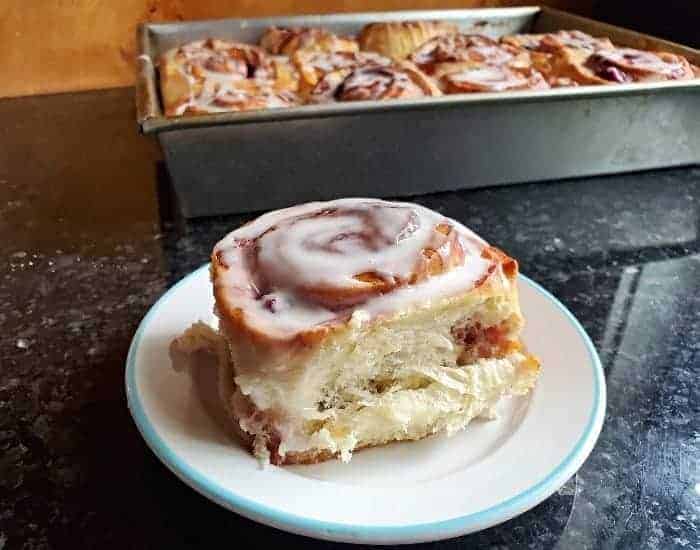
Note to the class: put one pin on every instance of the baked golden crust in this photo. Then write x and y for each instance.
(398, 39)
(285, 75)
(175, 87)
(290, 40)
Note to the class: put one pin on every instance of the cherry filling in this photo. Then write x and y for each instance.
(606, 70)
(482, 342)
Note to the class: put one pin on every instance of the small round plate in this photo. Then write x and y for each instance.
(432, 489)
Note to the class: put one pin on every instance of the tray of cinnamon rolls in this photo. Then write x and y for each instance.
(261, 113)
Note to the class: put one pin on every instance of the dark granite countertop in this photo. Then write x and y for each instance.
(89, 242)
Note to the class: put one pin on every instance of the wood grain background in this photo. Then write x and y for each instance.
(49, 46)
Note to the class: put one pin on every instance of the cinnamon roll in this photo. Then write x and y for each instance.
(313, 66)
(561, 56)
(288, 41)
(397, 39)
(358, 322)
(630, 65)
(213, 75)
(487, 78)
(373, 82)
(468, 63)
(466, 50)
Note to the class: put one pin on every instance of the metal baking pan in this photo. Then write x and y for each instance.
(237, 162)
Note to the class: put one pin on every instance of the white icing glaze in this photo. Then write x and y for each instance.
(211, 60)
(326, 62)
(274, 260)
(492, 78)
(217, 73)
(462, 47)
(218, 97)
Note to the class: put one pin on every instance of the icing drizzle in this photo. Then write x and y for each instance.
(462, 48)
(296, 269)
(228, 76)
(494, 79)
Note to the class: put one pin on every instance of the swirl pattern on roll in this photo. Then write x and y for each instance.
(210, 76)
(630, 65)
(222, 60)
(373, 82)
(463, 48)
(311, 266)
(492, 79)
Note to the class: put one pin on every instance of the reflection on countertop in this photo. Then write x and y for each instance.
(90, 240)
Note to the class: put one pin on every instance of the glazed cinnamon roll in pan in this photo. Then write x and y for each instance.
(629, 65)
(373, 81)
(569, 58)
(468, 63)
(209, 76)
(491, 79)
(358, 322)
(316, 66)
(469, 49)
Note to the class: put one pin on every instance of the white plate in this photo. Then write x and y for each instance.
(432, 489)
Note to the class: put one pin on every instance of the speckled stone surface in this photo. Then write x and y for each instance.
(89, 242)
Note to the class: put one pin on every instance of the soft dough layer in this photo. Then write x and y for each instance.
(403, 383)
(374, 382)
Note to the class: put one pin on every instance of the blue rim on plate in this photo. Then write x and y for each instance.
(364, 533)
